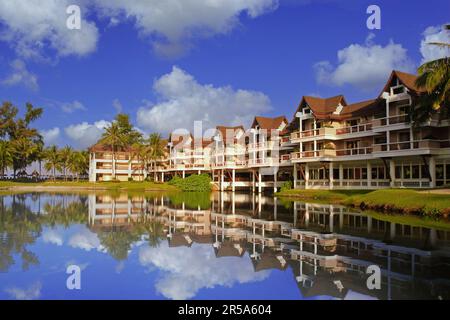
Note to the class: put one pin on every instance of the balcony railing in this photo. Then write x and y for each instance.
(354, 129)
(313, 133)
(380, 122)
(331, 153)
(410, 145)
(261, 145)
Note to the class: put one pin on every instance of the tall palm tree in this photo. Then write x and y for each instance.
(6, 158)
(52, 160)
(156, 150)
(78, 163)
(115, 139)
(434, 78)
(65, 156)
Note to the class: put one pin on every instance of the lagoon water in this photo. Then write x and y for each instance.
(218, 246)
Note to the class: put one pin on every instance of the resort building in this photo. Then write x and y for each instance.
(328, 144)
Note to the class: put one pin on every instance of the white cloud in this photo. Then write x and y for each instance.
(183, 100)
(432, 52)
(70, 107)
(21, 75)
(85, 134)
(173, 24)
(86, 240)
(31, 26)
(117, 105)
(184, 271)
(31, 293)
(53, 236)
(51, 136)
(364, 66)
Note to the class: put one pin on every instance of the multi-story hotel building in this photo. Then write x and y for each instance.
(328, 144)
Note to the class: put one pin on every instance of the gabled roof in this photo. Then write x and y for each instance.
(357, 109)
(269, 123)
(224, 131)
(177, 138)
(322, 108)
(407, 79)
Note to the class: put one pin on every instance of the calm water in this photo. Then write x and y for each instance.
(196, 246)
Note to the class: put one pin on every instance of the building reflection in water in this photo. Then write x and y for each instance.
(327, 247)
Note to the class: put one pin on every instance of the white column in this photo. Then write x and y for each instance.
(295, 176)
(306, 175)
(331, 169)
(233, 182)
(369, 174)
(253, 180)
(341, 174)
(259, 181)
(184, 174)
(392, 172)
(222, 188)
(275, 180)
(432, 170)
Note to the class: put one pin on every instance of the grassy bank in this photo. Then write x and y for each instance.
(126, 186)
(404, 201)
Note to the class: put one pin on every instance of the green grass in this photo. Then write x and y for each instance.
(322, 195)
(386, 200)
(128, 185)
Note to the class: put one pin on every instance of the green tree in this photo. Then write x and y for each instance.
(115, 139)
(52, 160)
(65, 155)
(156, 150)
(434, 78)
(6, 158)
(78, 163)
(25, 141)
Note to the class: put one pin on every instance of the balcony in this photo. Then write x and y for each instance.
(329, 153)
(262, 162)
(387, 121)
(261, 145)
(321, 132)
(411, 145)
(354, 129)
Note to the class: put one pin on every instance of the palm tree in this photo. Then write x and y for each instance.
(65, 156)
(434, 78)
(52, 160)
(114, 138)
(78, 163)
(6, 158)
(156, 150)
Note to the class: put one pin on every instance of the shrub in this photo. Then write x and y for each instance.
(197, 183)
(130, 179)
(287, 185)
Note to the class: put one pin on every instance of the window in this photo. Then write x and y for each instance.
(398, 172)
(415, 172)
(406, 172)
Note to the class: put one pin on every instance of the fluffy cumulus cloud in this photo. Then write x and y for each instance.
(86, 134)
(20, 75)
(432, 52)
(173, 24)
(86, 240)
(184, 271)
(31, 293)
(53, 236)
(31, 26)
(365, 66)
(51, 136)
(182, 100)
(71, 107)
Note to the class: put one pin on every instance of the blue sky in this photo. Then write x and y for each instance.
(170, 63)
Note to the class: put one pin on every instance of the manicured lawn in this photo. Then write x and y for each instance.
(128, 185)
(387, 200)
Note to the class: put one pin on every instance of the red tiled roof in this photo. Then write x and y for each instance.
(269, 123)
(407, 79)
